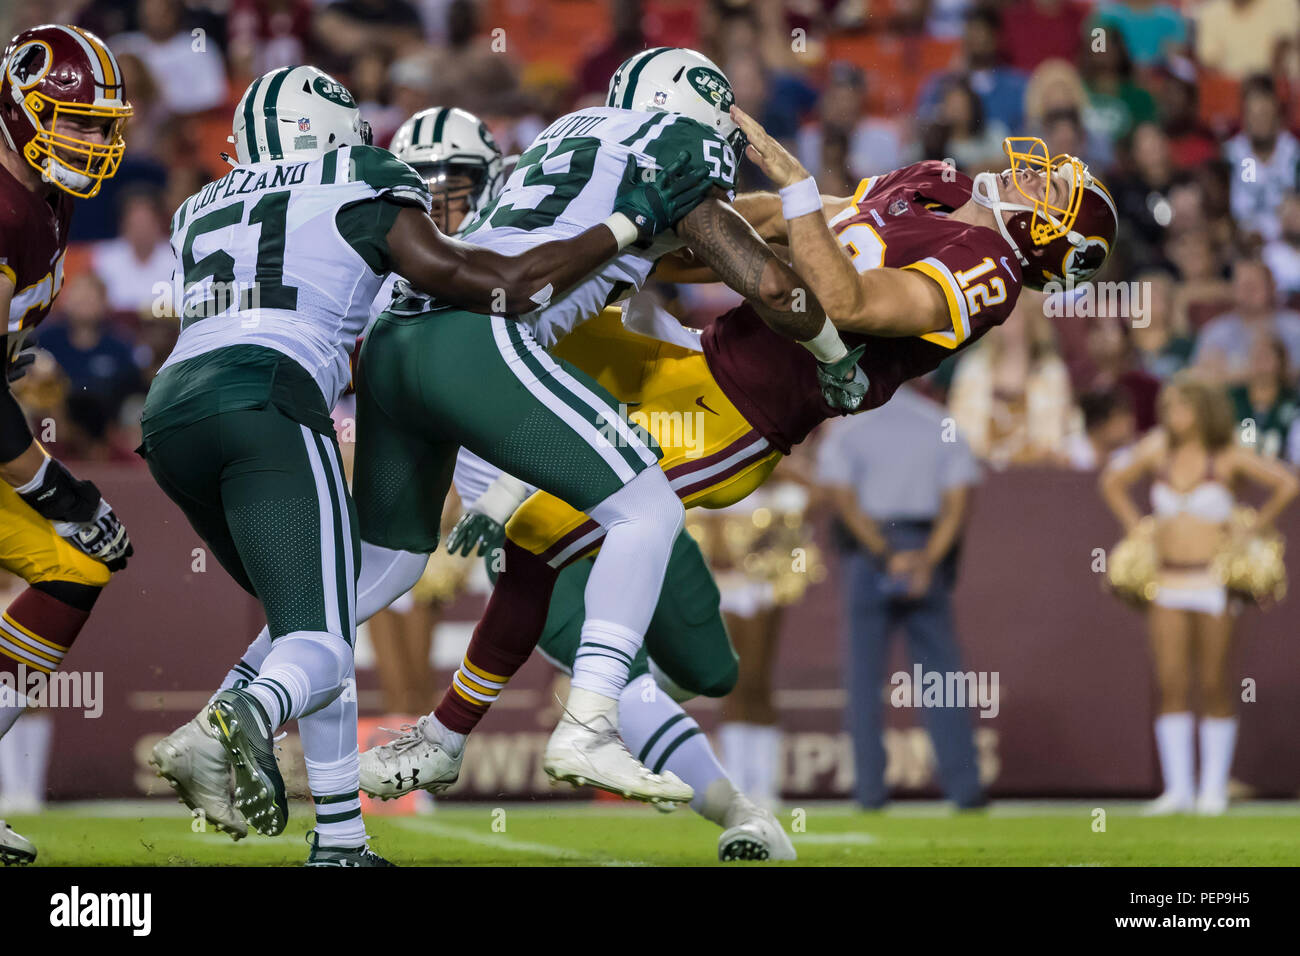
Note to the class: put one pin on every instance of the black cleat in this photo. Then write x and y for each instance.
(342, 855)
(244, 730)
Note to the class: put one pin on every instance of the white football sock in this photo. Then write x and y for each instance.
(604, 657)
(641, 522)
(246, 670)
(385, 576)
(329, 748)
(1176, 743)
(447, 738)
(734, 738)
(303, 672)
(24, 759)
(664, 737)
(12, 704)
(1218, 742)
(763, 785)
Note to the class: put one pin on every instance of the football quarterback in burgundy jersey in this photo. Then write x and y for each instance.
(917, 264)
(62, 106)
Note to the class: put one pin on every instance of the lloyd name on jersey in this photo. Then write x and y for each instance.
(567, 181)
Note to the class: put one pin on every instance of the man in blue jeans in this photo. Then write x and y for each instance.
(900, 479)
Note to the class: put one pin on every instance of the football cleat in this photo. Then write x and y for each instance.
(754, 834)
(415, 759)
(194, 762)
(14, 847)
(592, 754)
(243, 732)
(342, 855)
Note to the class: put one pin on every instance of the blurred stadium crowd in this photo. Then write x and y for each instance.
(1184, 110)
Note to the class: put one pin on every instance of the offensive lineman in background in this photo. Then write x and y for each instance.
(279, 262)
(62, 107)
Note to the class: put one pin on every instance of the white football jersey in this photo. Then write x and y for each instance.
(262, 260)
(567, 181)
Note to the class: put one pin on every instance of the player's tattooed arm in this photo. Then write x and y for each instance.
(722, 240)
(481, 280)
(762, 210)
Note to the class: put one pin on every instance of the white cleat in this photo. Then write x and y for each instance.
(194, 762)
(1169, 803)
(415, 759)
(592, 754)
(14, 847)
(754, 834)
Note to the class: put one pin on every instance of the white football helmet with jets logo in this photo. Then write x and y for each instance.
(671, 79)
(443, 144)
(295, 113)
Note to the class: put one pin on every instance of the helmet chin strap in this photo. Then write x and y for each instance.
(985, 192)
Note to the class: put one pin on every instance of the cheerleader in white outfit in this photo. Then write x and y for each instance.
(1195, 464)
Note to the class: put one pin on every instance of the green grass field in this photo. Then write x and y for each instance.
(1010, 833)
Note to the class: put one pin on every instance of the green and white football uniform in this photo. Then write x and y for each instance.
(436, 379)
(566, 183)
(290, 256)
(277, 265)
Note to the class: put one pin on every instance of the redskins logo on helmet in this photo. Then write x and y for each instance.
(51, 74)
(1062, 225)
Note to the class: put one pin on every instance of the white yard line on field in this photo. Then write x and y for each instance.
(835, 839)
(501, 841)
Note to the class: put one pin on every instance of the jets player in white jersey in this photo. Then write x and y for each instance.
(278, 262)
(663, 103)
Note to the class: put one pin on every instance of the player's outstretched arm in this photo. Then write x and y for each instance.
(890, 302)
(722, 240)
(482, 280)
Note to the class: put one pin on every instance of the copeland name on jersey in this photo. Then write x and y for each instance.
(567, 182)
(259, 256)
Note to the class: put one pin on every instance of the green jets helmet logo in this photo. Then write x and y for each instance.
(334, 92)
(713, 86)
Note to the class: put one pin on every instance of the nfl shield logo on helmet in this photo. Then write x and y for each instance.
(304, 124)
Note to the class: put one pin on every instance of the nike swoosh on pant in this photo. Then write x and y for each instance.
(700, 402)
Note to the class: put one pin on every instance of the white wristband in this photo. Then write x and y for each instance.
(801, 198)
(625, 232)
(827, 346)
(37, 480)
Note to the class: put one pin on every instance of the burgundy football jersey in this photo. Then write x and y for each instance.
(898, 220)
(33, 238)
